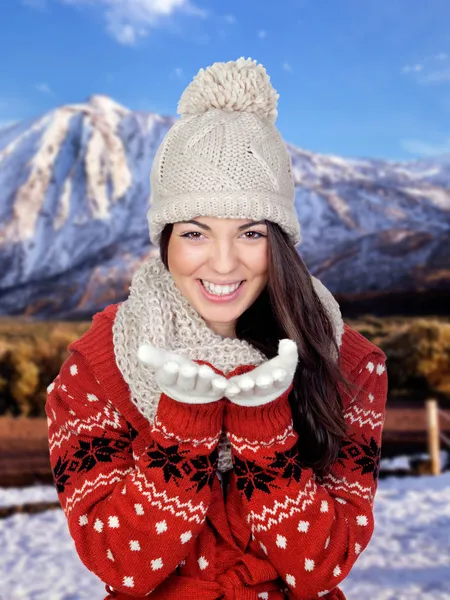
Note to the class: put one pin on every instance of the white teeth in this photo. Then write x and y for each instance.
(220, 290)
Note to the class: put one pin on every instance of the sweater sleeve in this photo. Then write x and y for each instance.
(133, 510)
(311, 532)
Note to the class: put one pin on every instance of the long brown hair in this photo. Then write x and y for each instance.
(290, 308)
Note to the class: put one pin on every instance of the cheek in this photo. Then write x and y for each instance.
(258, 262)
(183, 259)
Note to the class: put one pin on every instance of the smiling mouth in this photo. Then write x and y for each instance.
(221, 295)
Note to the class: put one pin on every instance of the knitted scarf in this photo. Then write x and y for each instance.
(156, 312)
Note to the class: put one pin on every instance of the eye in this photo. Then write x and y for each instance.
(251, 235)
(255, 233)
(191, 235)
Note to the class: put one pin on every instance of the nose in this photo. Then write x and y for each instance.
(224, 257)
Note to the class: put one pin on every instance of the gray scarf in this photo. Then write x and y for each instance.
(156, 312)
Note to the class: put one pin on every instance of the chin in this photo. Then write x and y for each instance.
(219, 314)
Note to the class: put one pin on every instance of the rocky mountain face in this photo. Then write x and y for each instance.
(74, 192)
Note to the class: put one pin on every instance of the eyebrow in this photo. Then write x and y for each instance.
(240, 228)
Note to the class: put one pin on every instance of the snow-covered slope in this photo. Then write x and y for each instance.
(74, 192)
(387, 223)
(408, 557)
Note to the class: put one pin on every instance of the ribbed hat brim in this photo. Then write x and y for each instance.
(252, 204)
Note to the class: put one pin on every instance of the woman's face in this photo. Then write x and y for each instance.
(210, 250)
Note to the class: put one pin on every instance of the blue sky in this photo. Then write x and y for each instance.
(356, 78)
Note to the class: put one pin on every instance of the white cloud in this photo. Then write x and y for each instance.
(177, 73)
(124, 34)
(129, 20)
(287, 67)
(426, 70)
(43, 88)
(440, 76)
(412, 68)
(262, 33)
(422, 148)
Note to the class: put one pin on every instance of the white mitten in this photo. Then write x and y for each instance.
(181, 378)
(268, 381)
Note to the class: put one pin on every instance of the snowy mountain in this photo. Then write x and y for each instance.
(386, 222)
(74, 191)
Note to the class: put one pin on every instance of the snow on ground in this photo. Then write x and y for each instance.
(408, 557)
(27, 495)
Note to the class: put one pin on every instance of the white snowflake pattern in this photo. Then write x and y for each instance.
(303, 526)
(185, 537)
(202, 563)
(309, 564)
(281, 541)
(73, 369)
(138, 508)
(161, 527)
(290, 580)
(157, 564)
(98, 525)
(113, 522)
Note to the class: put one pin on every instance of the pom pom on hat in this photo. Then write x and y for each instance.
(240, 85)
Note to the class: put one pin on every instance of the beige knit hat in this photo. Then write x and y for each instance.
(224, 157)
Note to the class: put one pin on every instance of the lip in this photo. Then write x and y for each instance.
(221, 299)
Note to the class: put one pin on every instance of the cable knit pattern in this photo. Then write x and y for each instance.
(156, 312)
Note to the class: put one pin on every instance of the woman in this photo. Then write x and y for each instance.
(217, 435)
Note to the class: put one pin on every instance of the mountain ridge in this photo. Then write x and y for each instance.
(74, 192)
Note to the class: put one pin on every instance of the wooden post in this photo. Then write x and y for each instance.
(433, 436)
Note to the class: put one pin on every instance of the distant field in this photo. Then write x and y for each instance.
(24, 457)
(31, 354)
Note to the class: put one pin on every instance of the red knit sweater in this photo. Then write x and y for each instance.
(145, 507)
